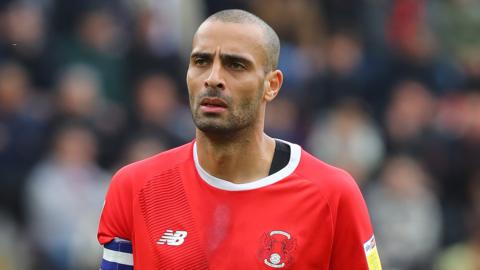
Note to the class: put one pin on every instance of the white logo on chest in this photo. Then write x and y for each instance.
(172, 238)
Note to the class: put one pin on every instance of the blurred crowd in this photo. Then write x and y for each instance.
(387, 89)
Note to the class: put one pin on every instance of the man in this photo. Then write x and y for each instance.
(235, 198)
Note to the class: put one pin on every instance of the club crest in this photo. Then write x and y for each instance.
(277, 249)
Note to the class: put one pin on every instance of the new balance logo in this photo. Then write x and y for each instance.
(172, 238)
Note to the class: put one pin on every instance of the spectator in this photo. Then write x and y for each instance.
(13, 245)
(348, 138)
(79, 98)
(463, 255)
(141, 147)
(22, 131)
(64, 195)
(409, 116)
(406, 214)
(456, 23)
(159, 111)
(24, 38)
(97, 43)
(281, 120)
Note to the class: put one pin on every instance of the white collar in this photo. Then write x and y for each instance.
(271, 179)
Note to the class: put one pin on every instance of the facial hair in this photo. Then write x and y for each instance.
(237, 116)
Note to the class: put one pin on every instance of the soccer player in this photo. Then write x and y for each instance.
(235, 198)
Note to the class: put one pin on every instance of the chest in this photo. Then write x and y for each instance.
(196, 227)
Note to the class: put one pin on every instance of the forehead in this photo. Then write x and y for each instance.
(237, 38)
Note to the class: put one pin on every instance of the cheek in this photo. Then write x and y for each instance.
(251, 84)
(189, 78)
(191, 87)
(250, 94)
(193, 81)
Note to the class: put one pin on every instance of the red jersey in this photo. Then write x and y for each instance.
(308, 215)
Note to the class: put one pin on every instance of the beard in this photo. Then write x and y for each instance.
(236, 118)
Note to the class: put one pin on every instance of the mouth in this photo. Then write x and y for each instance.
(213, 105)
(213, 102)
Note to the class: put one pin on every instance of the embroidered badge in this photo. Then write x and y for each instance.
(277, 249)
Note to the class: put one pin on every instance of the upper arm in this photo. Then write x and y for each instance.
(354, 245)
(115, 227)
(116, 217)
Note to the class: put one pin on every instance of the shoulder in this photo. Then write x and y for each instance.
(340, 190)
(153, 165)
(324, 175)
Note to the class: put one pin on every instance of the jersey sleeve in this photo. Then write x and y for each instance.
(354, 245)
(115, 227)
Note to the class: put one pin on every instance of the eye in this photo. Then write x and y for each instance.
(236, 66)
(200, 61)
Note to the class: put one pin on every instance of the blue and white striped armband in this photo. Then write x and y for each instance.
(117, 255)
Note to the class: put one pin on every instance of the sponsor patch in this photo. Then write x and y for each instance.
(371, 252)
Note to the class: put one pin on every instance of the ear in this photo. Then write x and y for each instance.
(273, 83)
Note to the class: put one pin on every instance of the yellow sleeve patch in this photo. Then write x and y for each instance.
(371, 252)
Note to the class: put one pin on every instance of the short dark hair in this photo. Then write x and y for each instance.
(271, 40)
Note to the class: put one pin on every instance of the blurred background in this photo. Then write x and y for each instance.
(387, 89)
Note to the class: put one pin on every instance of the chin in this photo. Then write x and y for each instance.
(220, 125)
(214, 128)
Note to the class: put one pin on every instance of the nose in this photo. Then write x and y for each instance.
(215, 78)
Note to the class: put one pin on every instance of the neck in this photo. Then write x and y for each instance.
(242, 157)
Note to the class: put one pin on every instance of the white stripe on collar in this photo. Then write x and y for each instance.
(263, 182)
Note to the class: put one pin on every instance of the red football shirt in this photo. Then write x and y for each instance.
(308, 215)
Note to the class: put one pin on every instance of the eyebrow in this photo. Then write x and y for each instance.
(200, 55)
(227, 57)
(236, 58)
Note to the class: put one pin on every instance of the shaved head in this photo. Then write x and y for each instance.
(271, 42)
